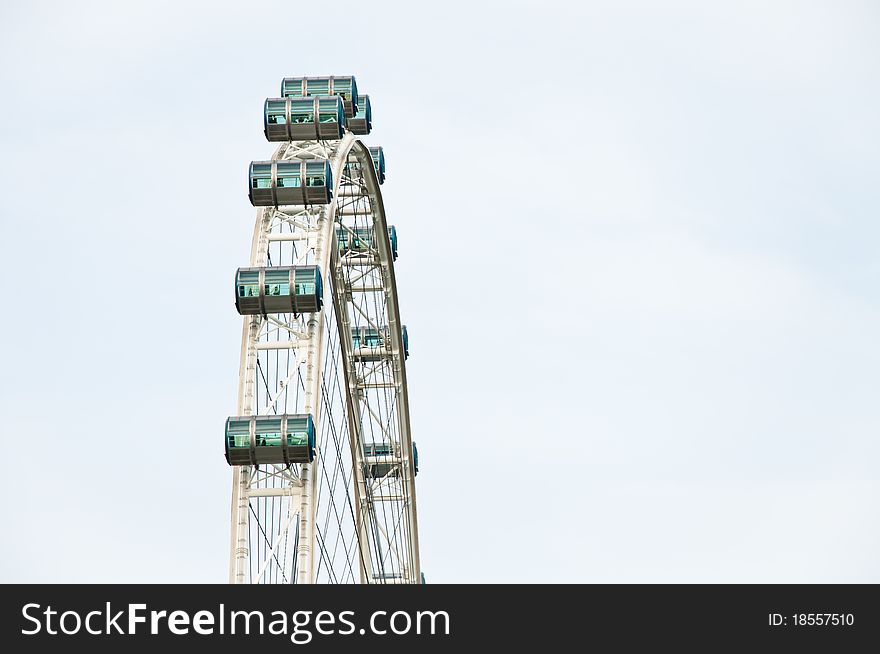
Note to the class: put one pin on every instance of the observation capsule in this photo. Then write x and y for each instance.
(415, 458)
(279, 289)
(303, 87)
(382, 460)
(283, 439)
(290, 182)
(370, 344)
(360, 240)
(304, 119)
(378, 156)
(362, 122)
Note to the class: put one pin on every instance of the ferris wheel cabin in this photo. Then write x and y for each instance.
(378, 156)
(304, 87)
(281, 439)
(303, 119)
(290, 182)
(371, 344)
(382, 460)
(362, 122)
(279, 289)
(359, 240)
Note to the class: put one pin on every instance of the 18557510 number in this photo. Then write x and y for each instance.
(811, 620)
(823, 619)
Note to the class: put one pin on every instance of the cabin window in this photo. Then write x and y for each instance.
(248, 290)
(277, 289)
(240, 440)
(268, 432)
(238, 433)
(269, 439)
(292, 88)
(276, 111)
(289, 182)
(261, 175)
(317, 87)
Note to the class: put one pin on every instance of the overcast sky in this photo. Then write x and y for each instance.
(638, 262)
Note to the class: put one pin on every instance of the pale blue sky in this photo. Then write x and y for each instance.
(638, 265)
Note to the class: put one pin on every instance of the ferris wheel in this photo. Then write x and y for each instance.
(323, 460)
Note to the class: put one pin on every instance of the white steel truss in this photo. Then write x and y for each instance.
(347, 516)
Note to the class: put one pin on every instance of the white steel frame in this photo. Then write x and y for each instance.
(359, 290)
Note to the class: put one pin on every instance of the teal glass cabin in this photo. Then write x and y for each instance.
(378, 156)
(280, 439)
(304, 87)
(279, 289)
(362, 122)
(304, 119)
(370, 344)
(359, 240)
(381, 460)
(290, 182)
